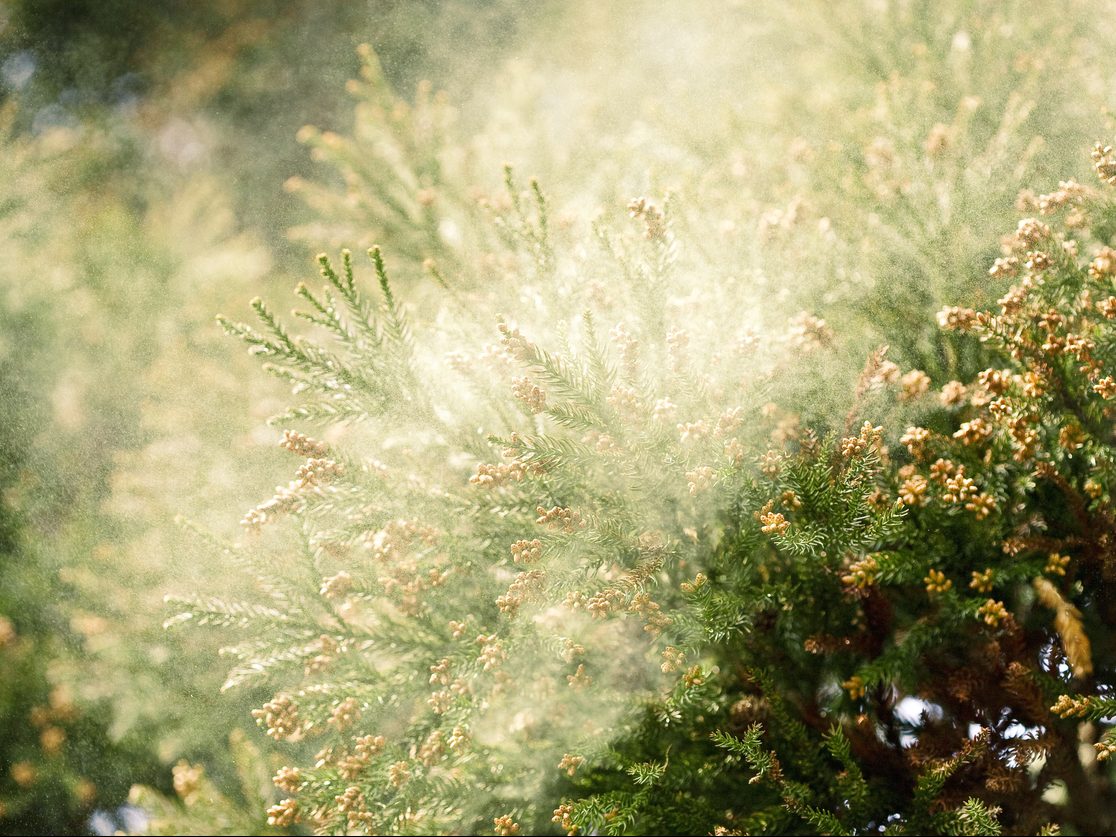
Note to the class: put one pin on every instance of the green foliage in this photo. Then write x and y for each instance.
(600, 533)
(201, 807)
(803, 598)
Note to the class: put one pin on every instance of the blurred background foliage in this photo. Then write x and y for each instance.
(154, 169)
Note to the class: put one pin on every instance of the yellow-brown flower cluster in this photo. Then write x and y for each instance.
(868, 437)
(492, 476)
(861, 574)
(936, 582)
(284, 814)
(1068, 707)
(982, 581)
(526, 551)
(279, 718)
(531, 395)
(562, 818)
(773, 523)
(560, 518)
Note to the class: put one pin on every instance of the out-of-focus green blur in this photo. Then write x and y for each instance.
(151, 175)
(143, 153)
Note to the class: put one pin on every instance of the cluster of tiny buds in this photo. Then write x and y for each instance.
(650, 610)
(351, 765)
(598, 605)
(187, 779)
(329, 648)
(1068, 191)
(672, 659)
(1037, 261)
(399, 773)
(996, 381)
(392, 540)
(288, 779)
(982, 581)
(693, 676)
(302, 445)
(677, 341)
(700, 479)
(1030, 232)
(279, 718)
(1105, 387)
(855, 686)
(954, 318)
(570, 763)
(492, 652)
(351, 803)
(601, 442)
(1104, 163)
(1068, 707)
(780, 218)
(941, 470)
(525, 585)
(958, 488)
(491, 476)
(886, 373)
(912, 491)
(861, 574)
(1105, 749)
(664, 410)
(433, 749)
(1056, 564)
(505, 826)
(993, 612)
(699, 581)
(734, 450)
(936, 582)
(440, 701)
(808, 332)
(560, 518)
(728, 422)
(284, 814)
(773, 523)
(286, 499)
(973, 432)
(526, 551)
(653, 220)
(512, 340)
(345, 714)
(915, 439)
(571, 651)
(563, 818)
(579, 679)
(770, 463)
(953, 394)
(790, 499)
(625, 401)
(439, 672)
(627, 344)
(869, 436)
(529, 394)
(336, 586)
(1004, 268)
(981, 505)
(317, 471)
(915, 384)
(458, 738)
(1103, 264)
(692, 431)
